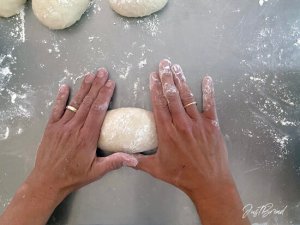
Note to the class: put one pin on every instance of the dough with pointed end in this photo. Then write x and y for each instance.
(10, 8)
(129, 130)
(137, 8)
(59, 14)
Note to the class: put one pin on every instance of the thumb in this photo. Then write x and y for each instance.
(115, 161)
(148, 164)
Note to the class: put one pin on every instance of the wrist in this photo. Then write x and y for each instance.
(213, 190)
(41, 190)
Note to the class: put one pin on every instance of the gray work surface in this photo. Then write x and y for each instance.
(252, 50)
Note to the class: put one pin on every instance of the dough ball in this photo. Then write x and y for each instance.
(129, 130)
(10, 8)
(59, 14)
(137, 8)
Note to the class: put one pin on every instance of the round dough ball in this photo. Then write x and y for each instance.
(129, 130)
(10, 8)
(59, 14)
(137, 8)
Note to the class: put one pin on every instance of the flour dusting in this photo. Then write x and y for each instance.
(268, 87)
(17, 31)
(149, 25)
(16, 99)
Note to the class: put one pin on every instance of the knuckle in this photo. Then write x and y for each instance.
(99, 106)
(83, 141)
(77, 100)
(187, 96)
(170, 92)
(184, 127)
(160, 101)
(88, 100)
(67, 131)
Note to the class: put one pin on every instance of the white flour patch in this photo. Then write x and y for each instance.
(135, 88)
(95, 5)
(17, 30)
(149, 25)
(71, 77)
(128, 63)
(122, 69)
(54, 46)
(262, 2)
(297, 43)
(142, 63)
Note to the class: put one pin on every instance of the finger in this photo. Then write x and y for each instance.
(99, 82)
(170, 91)
(60, 104)
(185, 92)
(159, 103)
(209, 104)
(78, 98)
(98, 110)
(115, 161)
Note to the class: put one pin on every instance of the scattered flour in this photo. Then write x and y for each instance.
(128, 63)
(17, 30)
(271, 96)
(16, 99)
(149, 25)
(262, 2)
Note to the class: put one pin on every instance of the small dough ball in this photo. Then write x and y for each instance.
(59, 14)
(137, 8)
(10, 8)
(129, 130)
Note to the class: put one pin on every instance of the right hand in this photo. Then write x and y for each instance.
(191, 152)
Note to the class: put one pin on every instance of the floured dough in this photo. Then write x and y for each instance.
(137, 8)
(130, 130)
(10, 8)
(59, 14)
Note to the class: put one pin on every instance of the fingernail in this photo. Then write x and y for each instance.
(63, 88)
(109, 83)
(208, 80)
(89, 78)
(101, 72)
(130, 161)
(154, 77)
(176, 69)
(169, 90)
(165, 67)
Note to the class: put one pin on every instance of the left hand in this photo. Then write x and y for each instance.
(66, 158)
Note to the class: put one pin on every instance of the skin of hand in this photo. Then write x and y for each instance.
(191, 153)
(66, 158)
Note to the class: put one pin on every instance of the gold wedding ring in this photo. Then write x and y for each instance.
(187, 105)
(71, 108)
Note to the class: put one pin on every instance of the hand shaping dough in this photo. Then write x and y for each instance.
(59, 14)
(10, 8)
(137, 8)
(129, 130)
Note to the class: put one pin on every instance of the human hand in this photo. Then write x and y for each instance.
(191, 152)
(66, 158)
